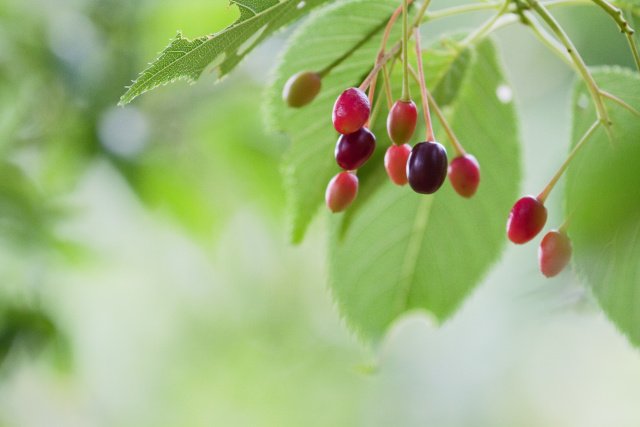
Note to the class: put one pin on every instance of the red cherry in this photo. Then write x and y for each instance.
(301, 88)
(351, 111)
(395, 161)
(401, 121)
(341, 191)
(464, 174)
(526, 219)
(554, 253)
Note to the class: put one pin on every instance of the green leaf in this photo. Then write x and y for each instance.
(25, 216)
(325, 36)
(187, 59)
(632, 5)
(603, 193)
(405, 251)
(445, 70)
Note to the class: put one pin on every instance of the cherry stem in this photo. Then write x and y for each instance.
(565, 224)
(528, 19)
(392, 20)
(486, 26)
(423, 87)
(603, 116)
(387, 86)
(416, 21)
(379, 63)
(617, 16)
(374, 111)
(458, 151)
(406, 94)
(372, 91)
(620, 102)
(547, 190)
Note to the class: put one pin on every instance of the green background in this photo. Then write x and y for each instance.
(147, 277)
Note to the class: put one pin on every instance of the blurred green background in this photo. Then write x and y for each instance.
(146, 276)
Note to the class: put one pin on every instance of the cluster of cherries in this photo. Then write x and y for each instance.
(424, 167)
(526, 219)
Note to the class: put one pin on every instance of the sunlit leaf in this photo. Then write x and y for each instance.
(406, 251)
(603, 194)
(310, 163)
(187, 59)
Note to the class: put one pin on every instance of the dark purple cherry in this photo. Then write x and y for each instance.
(427, 167)
(341, 191)
(526, 219)
(554, 253)
(354, 149)
(401, 121)
(301, 88)
(351, 111)
(464, 175)
(395, 162)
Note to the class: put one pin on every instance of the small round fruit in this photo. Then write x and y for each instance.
(401, 121)
(427, 167)
(301, 88)
(395, 162)
(351, 111)
(354, 149)
(341, 191)
(526, 219)
(464, 175)
(554, 253)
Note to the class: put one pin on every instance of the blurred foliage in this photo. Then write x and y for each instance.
(100, 208)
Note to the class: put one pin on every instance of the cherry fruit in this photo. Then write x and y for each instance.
(554, 253)
(351, 111)
(395, 162)
(526, 219)
(341, 191)
(401, 121)
(354, 149)
(301, 89)
(464, 175)
(427, 167)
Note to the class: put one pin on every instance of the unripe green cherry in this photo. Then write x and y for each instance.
(301, 89)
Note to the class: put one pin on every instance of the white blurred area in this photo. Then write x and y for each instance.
(167, 332)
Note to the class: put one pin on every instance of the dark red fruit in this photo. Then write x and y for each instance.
(341, 191)
(351, 111)
(554, 253)
(354, 149)
(395, 161)
(526, 219)
(464, 174)
(401, 121)
(427, 167)
(301, 88)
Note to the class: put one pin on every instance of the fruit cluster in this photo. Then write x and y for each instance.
(526, 219)
(425, 165)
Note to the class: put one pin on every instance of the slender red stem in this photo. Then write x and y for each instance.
(423, 87)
